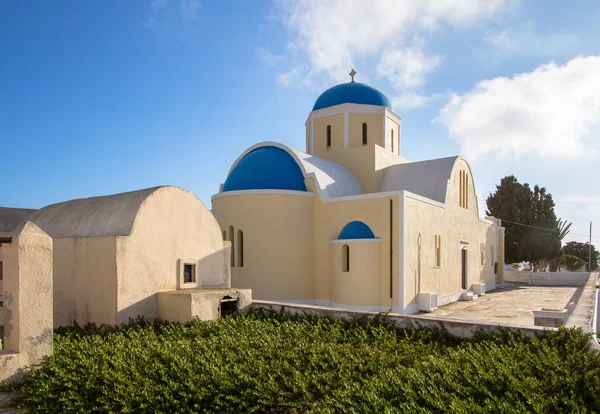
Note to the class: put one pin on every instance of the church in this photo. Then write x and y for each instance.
(350, 223)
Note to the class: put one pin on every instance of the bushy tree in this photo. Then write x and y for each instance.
(531, 224)
(581, 250)
(573, 263)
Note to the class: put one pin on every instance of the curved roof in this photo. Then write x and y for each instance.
(111, 215)
(333, 179)
(11, 218)
(425, 178)
(351, 92)
(266, 167)
(356, 230)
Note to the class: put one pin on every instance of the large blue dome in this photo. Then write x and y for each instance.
(351, 92)
(266, 168)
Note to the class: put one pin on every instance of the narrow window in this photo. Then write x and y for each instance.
(345, 258)
(482, 252)
(364, 135)
(224, 235)
(240, 248)
(328, 136)
(232, 240)
(438, 250)
(189, 273)
(392, 140)
(1, 271)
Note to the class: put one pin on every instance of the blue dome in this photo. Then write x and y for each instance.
(351, 92)
(266, 168)
(356, 230)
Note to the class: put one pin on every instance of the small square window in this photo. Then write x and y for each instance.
(189, 273)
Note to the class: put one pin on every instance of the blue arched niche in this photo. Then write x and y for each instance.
(356, 230)
(266, 168)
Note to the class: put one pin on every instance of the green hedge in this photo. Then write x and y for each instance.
(274, 362)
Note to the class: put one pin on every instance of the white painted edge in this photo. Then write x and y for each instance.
(264, 192)
(402, 252)
(347, 241)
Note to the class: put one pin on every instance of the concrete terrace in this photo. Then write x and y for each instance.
(512, 304)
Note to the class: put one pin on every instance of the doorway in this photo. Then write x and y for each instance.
(463, 267)
(228, 305)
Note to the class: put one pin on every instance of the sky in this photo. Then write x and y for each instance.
(101, 97)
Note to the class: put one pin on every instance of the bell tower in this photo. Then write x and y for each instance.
(354, 124)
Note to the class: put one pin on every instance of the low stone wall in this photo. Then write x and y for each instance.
(547, 278)
(460, 328)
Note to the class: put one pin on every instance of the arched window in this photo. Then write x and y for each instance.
(224, 235)
(232, 240)
(364, 135)
(240, 237)
(328, 136)
(392, 140)
(345, 258)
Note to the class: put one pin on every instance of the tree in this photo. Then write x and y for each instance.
(532, 229)
(563, 229)
(581, 250)
(573, 263)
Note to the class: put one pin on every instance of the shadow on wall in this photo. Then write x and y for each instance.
(211, 272)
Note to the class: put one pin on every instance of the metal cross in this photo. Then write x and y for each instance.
(352, 73)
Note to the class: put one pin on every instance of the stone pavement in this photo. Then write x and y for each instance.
(512, 304)
(5, 400)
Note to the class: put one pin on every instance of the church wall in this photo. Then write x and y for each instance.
(172, 225)
(337, 134)
(85, 280)
(374, 133)
(330, 219)
(278, 251)
(458, 227)
(361, 283)
(391, 125)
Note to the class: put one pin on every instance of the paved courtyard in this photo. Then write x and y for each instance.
(512, 304)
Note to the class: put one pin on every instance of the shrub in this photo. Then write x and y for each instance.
(276, 362)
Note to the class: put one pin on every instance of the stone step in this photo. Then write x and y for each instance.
(468, 296)
(6, 399)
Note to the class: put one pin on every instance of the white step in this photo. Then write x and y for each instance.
(468, 296)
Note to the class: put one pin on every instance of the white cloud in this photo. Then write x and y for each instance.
(524, 42)
(410, 100)
(333, 34)
(190, 8)
(550, 112)
(406, 67)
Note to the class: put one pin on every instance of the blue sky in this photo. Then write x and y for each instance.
(104, 97)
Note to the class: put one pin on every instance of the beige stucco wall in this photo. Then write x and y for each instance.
(330, 219)
(85, 280)
(27, 312)
(184, 305)
(374, 134)
(278, 243)
(391, 125)
(172, 224)
(362, 284)
(458, 228)
(320, 134)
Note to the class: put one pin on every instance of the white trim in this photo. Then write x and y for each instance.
(393, 115)
(271, 192)
(402, 251)
(383, 135)
(311, 150)
(346, 241)
(347, 107)
(346, 130)
(425, 199)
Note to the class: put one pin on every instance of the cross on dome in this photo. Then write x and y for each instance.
(352, 73)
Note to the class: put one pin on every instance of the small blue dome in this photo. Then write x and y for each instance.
(266, 168)
(351, 92)
(356, 230)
